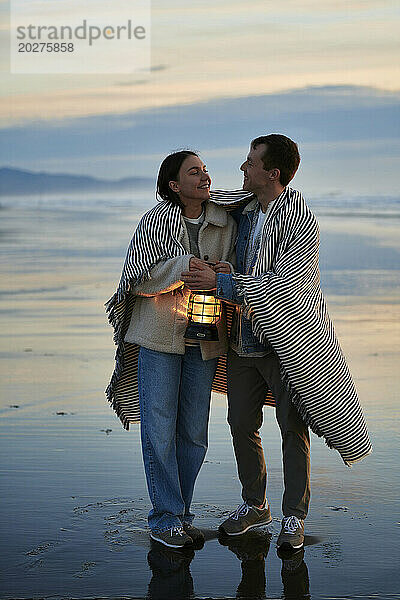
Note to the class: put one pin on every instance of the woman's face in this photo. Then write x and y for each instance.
(193, 181)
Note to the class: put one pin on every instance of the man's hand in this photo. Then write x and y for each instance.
(222, 267)
(201, 278)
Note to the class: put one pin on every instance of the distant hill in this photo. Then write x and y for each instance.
(17, 182)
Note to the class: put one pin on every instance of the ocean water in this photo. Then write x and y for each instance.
(73, 495)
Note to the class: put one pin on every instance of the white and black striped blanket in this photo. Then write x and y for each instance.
(155, 238)
(284, 300)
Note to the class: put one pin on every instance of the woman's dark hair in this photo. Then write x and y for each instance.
(169, 171)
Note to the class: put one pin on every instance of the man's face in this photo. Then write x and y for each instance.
(255, 177)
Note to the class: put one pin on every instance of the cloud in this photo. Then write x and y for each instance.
(117, 99)
(349, 138)
(136, 82)
(156, 68)
(292, 7)
(202, 51)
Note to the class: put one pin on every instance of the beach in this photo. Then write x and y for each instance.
(74, 502)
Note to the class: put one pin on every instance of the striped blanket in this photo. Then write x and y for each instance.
(155, 238)
(284, 300)
(286, 305)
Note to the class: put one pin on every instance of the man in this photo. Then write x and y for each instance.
(281, 341)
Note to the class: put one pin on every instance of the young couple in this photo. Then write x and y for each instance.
(256, 249)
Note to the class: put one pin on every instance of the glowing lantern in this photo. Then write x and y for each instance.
(203, 313)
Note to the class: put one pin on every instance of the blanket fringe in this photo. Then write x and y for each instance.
(118, 318)
(110, 390)
(117, 322)
(350, 463)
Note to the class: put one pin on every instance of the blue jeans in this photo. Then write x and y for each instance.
(174, 393)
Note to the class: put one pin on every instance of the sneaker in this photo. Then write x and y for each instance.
(196, 535)
(245, 517)
(291, 536)
(175, 537)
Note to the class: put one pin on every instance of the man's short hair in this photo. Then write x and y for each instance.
(282, 153)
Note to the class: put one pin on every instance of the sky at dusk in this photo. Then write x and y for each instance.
(325, 73)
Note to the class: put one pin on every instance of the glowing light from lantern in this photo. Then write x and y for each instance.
(203, 313)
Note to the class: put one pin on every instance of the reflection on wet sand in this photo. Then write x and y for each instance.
(294, 573)
(172, 579)
(251, 549)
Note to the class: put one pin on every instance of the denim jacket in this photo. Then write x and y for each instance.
(243, 339)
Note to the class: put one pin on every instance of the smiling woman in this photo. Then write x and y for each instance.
(170, 376)
(186, 183)
(192, 186)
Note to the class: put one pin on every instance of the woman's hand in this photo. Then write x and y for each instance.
(201, 278)
(222, 267)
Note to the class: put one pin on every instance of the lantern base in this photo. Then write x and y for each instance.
(205, 333)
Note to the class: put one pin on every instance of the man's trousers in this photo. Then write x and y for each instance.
(249, 379)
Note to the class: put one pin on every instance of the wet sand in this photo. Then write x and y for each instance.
(74, 501)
